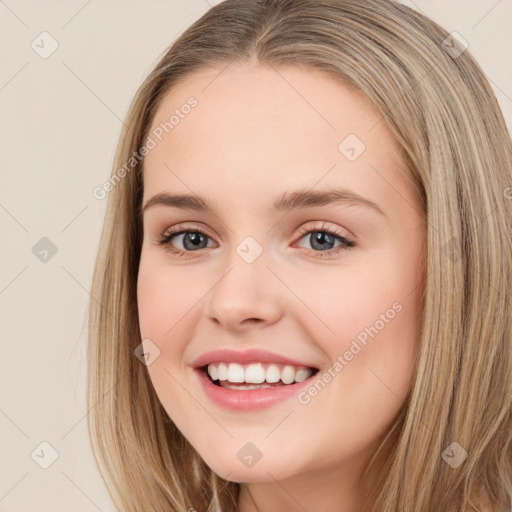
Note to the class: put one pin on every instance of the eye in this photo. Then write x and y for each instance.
(192, 239)
(322, 240)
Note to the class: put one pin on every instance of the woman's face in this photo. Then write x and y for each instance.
(287, 262)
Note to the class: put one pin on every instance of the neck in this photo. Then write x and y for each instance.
(336, 487)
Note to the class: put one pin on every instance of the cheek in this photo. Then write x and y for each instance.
(165, 298)
(167, 304)
(370, 319)
(348, 302)
(372, 353)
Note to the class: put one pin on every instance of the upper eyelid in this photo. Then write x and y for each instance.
(185, 227)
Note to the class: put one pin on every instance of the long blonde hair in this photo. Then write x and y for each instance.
(438, 104)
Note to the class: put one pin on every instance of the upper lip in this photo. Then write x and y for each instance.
(244, 357)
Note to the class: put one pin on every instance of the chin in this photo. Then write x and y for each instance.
(248, 475)
(235, 470)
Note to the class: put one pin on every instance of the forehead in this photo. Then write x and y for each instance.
(257, 128)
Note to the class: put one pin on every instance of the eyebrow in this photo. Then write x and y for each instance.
(288, 201)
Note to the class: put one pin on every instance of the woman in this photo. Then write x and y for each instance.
(237, 361)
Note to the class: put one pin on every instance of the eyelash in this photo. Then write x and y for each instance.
(166, 238)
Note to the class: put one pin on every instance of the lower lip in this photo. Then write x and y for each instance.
(244, 400)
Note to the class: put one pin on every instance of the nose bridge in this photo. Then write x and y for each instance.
(244, 290)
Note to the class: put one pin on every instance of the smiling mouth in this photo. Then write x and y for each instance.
(256, 375)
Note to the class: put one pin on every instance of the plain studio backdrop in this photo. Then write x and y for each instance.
(68, 72)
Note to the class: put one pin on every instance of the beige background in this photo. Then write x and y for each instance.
(61, 117)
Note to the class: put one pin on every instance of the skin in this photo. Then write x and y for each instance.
(256, 134)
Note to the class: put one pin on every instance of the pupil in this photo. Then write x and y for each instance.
(194, 238)
(322, 238)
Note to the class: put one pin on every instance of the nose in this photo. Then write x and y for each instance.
(246, 295)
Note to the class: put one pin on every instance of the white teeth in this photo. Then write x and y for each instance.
(301, 375)
(254, 374)
(273, 374)
(236, 372)
(222, 371)
(288, 374)
(258, 373)
(213, 372)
